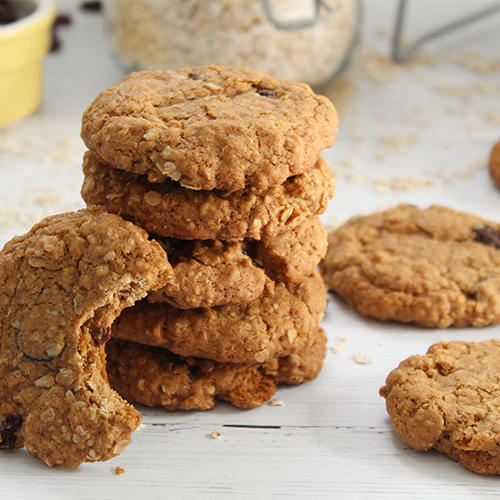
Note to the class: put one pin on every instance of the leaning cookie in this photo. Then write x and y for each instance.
(449, 400)
(495, 163)
(169, 210)
(156, 377)
(209, 273)
(61, 286)
(434, 267)
(271, 326)
(210, 127)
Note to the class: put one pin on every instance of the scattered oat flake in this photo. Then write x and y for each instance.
(338, 347)
(362, 359)
(119, 470)
(290, 434)
(215, 435)
(344, 338)
(276, 402)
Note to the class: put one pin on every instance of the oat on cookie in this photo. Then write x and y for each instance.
(434, 267)
(271, 326)
(156, 377)
(495, 163)
(210, 127)
(61, 286)
(211, 273)
(169, 210)
(449, 400)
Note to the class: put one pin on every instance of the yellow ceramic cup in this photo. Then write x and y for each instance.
(23, 44)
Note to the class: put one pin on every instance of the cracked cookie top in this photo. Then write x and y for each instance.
(449, 399)
(434, 267)
(210, 127)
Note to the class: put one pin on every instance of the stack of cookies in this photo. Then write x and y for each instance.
(221, 166)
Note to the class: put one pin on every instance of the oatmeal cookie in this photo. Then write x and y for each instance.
(449, 400)
(210, 127)
(61, 286)
(169, 210)
(271, 326)
(156, 377)
(434, 267)
(495, 163)
(211, 273)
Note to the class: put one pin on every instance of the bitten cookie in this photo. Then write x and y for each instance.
(433, 267)
(449, 400)
(495, 163)
(210, 127)
(268, 327)
(156, 377)
(211, 273)
(61, 286)
(169, 210)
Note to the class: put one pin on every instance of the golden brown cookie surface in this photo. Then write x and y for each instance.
(209, 273)
(169, 210)
(61, 286)
(210, 127)
(434, 267)
(495, 163)
(271, 326)
(156, 377)
(449, 400)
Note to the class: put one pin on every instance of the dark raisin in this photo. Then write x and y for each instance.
(194, 76)
(489, 236)
(62, 20)
(8, 430)
(266, 93)
(100, 335)
(7, 14)
(91, 6)
(472, 295)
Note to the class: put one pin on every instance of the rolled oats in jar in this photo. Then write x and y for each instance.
(305, 40)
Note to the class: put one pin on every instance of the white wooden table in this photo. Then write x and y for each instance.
(418, 134)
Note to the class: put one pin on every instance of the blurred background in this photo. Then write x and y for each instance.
(417, 131)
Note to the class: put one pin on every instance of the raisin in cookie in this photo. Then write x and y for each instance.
(211, 273)
(169, 210)
(210, 127)
(434, 267)
(271, 326)
(495, 163)
(61, 286)
(156, 377)
(449, 400)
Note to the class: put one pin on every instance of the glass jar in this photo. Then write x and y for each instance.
(304, 40)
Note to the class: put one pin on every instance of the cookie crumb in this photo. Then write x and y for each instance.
(362, 359)
(215, 435)
(290, 434)
(338, 347)
(344, 338)
(119, 470)
(276, 402)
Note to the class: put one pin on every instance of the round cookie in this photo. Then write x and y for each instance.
(210, 127)
(169, 210)
(156, 377)
(434, 267)
(495, 163)
(449, 400)
(61, 286)
(271, 326)
(209, 273)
